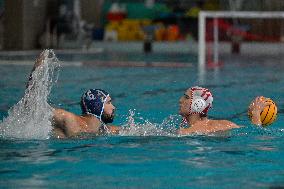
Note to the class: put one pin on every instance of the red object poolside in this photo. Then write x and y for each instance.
(116, 16)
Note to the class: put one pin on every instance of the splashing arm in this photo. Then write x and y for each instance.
(40, 59)
(38, 62)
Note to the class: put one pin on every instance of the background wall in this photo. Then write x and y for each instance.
(23, 22)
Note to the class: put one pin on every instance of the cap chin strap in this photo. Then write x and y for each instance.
(100, 117)
(198, 104)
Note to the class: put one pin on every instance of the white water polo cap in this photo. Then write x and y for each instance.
(201, 100)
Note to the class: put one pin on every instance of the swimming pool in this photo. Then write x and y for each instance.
(244, 158)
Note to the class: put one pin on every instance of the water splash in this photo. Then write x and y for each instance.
(138, 126)
(30, 118)
(147, 128)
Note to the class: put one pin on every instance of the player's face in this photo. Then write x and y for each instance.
(109, 109)
(184, 103)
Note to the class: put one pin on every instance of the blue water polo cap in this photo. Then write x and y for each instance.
(92, 102)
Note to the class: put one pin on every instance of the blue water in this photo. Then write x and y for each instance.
(243, 158)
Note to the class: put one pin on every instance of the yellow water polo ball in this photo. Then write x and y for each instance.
(268, 114)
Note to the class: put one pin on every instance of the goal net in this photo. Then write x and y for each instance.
(226, 36)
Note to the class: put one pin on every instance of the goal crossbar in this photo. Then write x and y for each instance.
(223, 14)
(241, 14)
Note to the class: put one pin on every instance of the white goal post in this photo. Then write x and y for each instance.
(223, 14)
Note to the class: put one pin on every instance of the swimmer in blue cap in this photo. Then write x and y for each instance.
(97, 112)
(97, 102)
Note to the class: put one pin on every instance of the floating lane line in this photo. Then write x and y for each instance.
(31, 63)
(105, 63)
(136, 64)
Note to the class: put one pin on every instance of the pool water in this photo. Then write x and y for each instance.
(243, 158)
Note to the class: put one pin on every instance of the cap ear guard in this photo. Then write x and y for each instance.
(198, 105)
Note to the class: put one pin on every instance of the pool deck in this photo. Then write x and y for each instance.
(255, 48)
(189, 46)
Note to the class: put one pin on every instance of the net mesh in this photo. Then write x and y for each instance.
(245, 39)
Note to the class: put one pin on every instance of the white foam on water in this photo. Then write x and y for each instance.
(147, 128)
(31, 117)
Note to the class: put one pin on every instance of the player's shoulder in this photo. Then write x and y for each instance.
(64, 114)
(228, 123)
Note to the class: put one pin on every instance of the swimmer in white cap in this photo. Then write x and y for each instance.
(194, 106)
(97, 112)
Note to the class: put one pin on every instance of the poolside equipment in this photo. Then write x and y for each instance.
(126, 30)
(92, 102)
(268, 114)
